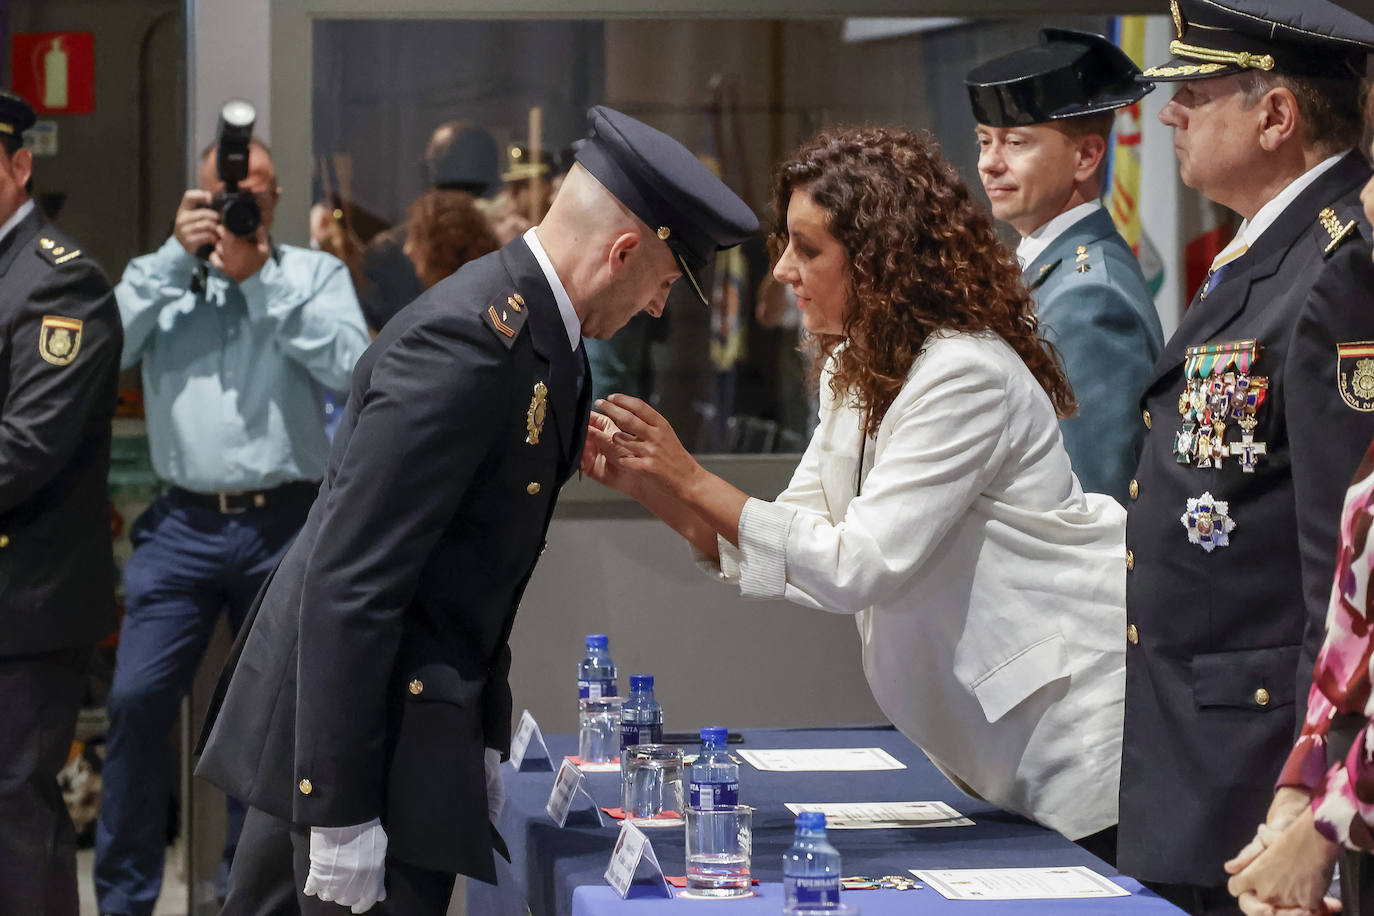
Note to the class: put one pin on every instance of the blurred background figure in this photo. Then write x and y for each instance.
(459, 157)
(443, 231)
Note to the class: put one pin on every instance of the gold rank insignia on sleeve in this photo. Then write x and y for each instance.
(1332, 224)
(56, 253)
(534, 417)
(59, 339)
(506, 315)
(1355, 374)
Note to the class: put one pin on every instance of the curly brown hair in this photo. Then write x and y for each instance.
(923, 256)
(445, 230)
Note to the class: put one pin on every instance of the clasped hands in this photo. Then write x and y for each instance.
(197, 226)
(1286, 869)
(631, 447)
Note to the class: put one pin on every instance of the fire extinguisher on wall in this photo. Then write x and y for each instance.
(52, 73)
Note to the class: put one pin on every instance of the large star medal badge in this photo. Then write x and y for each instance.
(1208, 522)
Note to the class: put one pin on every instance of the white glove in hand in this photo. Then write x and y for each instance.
(347, 865)
(496, 792)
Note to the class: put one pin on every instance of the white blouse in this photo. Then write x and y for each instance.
(988, 589)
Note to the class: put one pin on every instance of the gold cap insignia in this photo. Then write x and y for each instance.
(1178, 17)
(664, 232)
(534, 417)
(59, 339)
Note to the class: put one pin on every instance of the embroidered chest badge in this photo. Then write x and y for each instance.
(59, 339)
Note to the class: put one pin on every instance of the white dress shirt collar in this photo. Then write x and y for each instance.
(560, 294)
(16, 219)
(1250, 230)
(1034, 245)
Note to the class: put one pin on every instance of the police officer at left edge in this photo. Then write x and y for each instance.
(60, 338)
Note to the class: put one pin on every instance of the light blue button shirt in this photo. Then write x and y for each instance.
(234, 377)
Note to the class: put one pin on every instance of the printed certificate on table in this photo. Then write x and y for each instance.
(884, 815)
(1019, 883)
(814, 759)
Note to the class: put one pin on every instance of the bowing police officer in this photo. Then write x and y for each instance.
(60, 339)
(1256, 415)
(1044, 116)
(378, 652)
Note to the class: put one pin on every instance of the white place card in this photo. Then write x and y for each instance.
(633, 859)
(884, 815)
(528, 752)
(1069, 882)
(818, 759)
(568, 786)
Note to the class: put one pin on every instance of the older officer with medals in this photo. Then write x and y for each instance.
(1044, 117)
(1255, 417)
(60, 339)
(378, 652)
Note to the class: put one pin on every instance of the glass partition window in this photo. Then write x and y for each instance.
(511, 96)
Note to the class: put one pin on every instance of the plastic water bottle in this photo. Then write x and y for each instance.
(811, 868)
(641, 718)
(596, 673)
(715, 777)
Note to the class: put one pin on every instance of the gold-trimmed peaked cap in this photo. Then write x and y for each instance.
(1300, 37)
(667, 187)
(16, 115)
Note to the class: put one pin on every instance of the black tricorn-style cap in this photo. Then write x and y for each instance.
(16, 115)
(667, 187)
(1067, 75)
(1300, 37)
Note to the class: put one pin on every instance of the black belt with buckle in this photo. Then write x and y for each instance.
(288, 494)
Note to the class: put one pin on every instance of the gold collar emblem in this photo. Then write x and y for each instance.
(534, 417)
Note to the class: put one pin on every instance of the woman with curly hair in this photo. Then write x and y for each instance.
(445, 230)
(935, 502)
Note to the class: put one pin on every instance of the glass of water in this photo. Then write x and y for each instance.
(653, 781)
(598, 729)
(719, 844)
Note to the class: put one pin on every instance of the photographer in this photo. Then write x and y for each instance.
(238, 348)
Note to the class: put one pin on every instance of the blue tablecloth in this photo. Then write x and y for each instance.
(549, 863)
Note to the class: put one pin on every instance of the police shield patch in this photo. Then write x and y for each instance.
(1355, 374)
(59, 339)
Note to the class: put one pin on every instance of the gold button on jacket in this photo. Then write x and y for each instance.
(1130, 559)
(533, 488)
(417, 687)
(1135, 489)
(1262, 697)
(1132, 634)
(4, 540)
(1146, 416)
(305, 787)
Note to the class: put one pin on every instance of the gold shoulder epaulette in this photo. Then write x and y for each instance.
(56, 253)
(506, 315)
(1335, 230)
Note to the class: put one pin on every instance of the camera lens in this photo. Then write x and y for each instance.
(241, 215)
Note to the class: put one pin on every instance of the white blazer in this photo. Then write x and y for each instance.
(988, 589)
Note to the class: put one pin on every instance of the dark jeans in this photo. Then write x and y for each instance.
(190, 565)
(40, 696)
(274, 860)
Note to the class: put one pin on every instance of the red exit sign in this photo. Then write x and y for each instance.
(54, 71)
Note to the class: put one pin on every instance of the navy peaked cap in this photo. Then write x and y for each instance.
(667, 187)
(1300, 37)
(16, 115)
(1068, 74)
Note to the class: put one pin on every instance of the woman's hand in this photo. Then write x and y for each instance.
(1288, 803)
(1291, 874)
(643, 444)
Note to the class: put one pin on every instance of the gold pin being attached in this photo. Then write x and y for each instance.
(534, 417)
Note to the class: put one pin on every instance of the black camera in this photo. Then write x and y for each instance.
(238, 208)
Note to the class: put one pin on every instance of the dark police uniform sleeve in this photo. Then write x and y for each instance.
(433, 410)
(64, 350)
(1329, 404)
